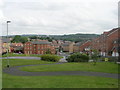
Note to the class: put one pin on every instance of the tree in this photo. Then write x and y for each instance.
(23, 39)
(19, 39)
(48, 51)
(16, 39)
(33, 37)
(94, 56)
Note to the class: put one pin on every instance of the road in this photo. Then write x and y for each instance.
(36, 58)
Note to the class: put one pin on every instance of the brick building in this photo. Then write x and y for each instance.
(76, 47)
(16, 47)
(68, 46)
(5, 45)
(39, 47)
(85, 46)
(107, 43)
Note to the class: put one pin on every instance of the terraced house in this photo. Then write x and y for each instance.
(39, 47)
(16, 47)
(5, 45)
(68, 46)
(107, 43)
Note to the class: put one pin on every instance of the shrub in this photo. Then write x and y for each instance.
(48, 51)
(48, 57)
(95, 56)
(78, 57)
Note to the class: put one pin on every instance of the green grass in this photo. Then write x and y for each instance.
(10, 81)
(18, 62)
(107, 67)
(22, 55)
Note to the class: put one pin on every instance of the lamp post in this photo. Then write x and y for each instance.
(8, 64)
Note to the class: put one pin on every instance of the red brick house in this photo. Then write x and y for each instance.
(85, 46)
(16, 47)
(39, 47)
(107, 43)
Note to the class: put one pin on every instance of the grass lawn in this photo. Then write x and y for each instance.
(18, 62)
(10, 81)
(108, 67)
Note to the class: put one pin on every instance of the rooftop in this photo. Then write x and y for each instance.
(41, 42)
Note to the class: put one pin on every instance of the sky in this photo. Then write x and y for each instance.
(58, 17)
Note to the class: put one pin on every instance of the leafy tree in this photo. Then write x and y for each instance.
(16, 39)
(33, 37)
(19, 39)
(23, 39)
(94, 56)
(48, 51)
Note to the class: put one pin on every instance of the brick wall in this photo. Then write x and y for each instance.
(30, 48)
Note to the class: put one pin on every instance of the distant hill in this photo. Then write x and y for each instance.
(75, 37)
(70, 37)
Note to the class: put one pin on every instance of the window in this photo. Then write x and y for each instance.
(115, 42)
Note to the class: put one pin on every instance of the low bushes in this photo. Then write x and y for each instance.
(78, 57)
(48, 57)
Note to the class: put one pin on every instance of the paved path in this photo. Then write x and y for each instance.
(63, 59)
(16, 71)
(36, 58)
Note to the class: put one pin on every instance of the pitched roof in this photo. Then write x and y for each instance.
(41, 42)
(5, 40)
(65, 44)
(77, 44)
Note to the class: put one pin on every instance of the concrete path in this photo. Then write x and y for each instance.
(15, 71)
(63, 59)
(36, 58)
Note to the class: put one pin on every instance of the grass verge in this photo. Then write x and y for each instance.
(107, 67)
(18, 62)
(10, 81)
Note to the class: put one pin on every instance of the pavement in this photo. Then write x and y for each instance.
(35, 58)
(63, 60)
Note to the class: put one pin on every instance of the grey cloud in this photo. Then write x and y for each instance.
(60, 17)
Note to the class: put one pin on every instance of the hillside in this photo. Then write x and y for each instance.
(74, 37)
(70, 37)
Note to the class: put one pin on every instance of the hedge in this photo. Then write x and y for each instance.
(48, 57)
(78, 57)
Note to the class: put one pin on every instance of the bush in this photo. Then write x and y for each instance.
(78, 57)
(48, 57)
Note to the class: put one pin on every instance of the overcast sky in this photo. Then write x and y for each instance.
(58, 16)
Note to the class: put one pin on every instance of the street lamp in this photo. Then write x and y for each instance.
(8, 64)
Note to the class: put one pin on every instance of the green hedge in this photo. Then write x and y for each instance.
(48, 57)
(78, 57)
